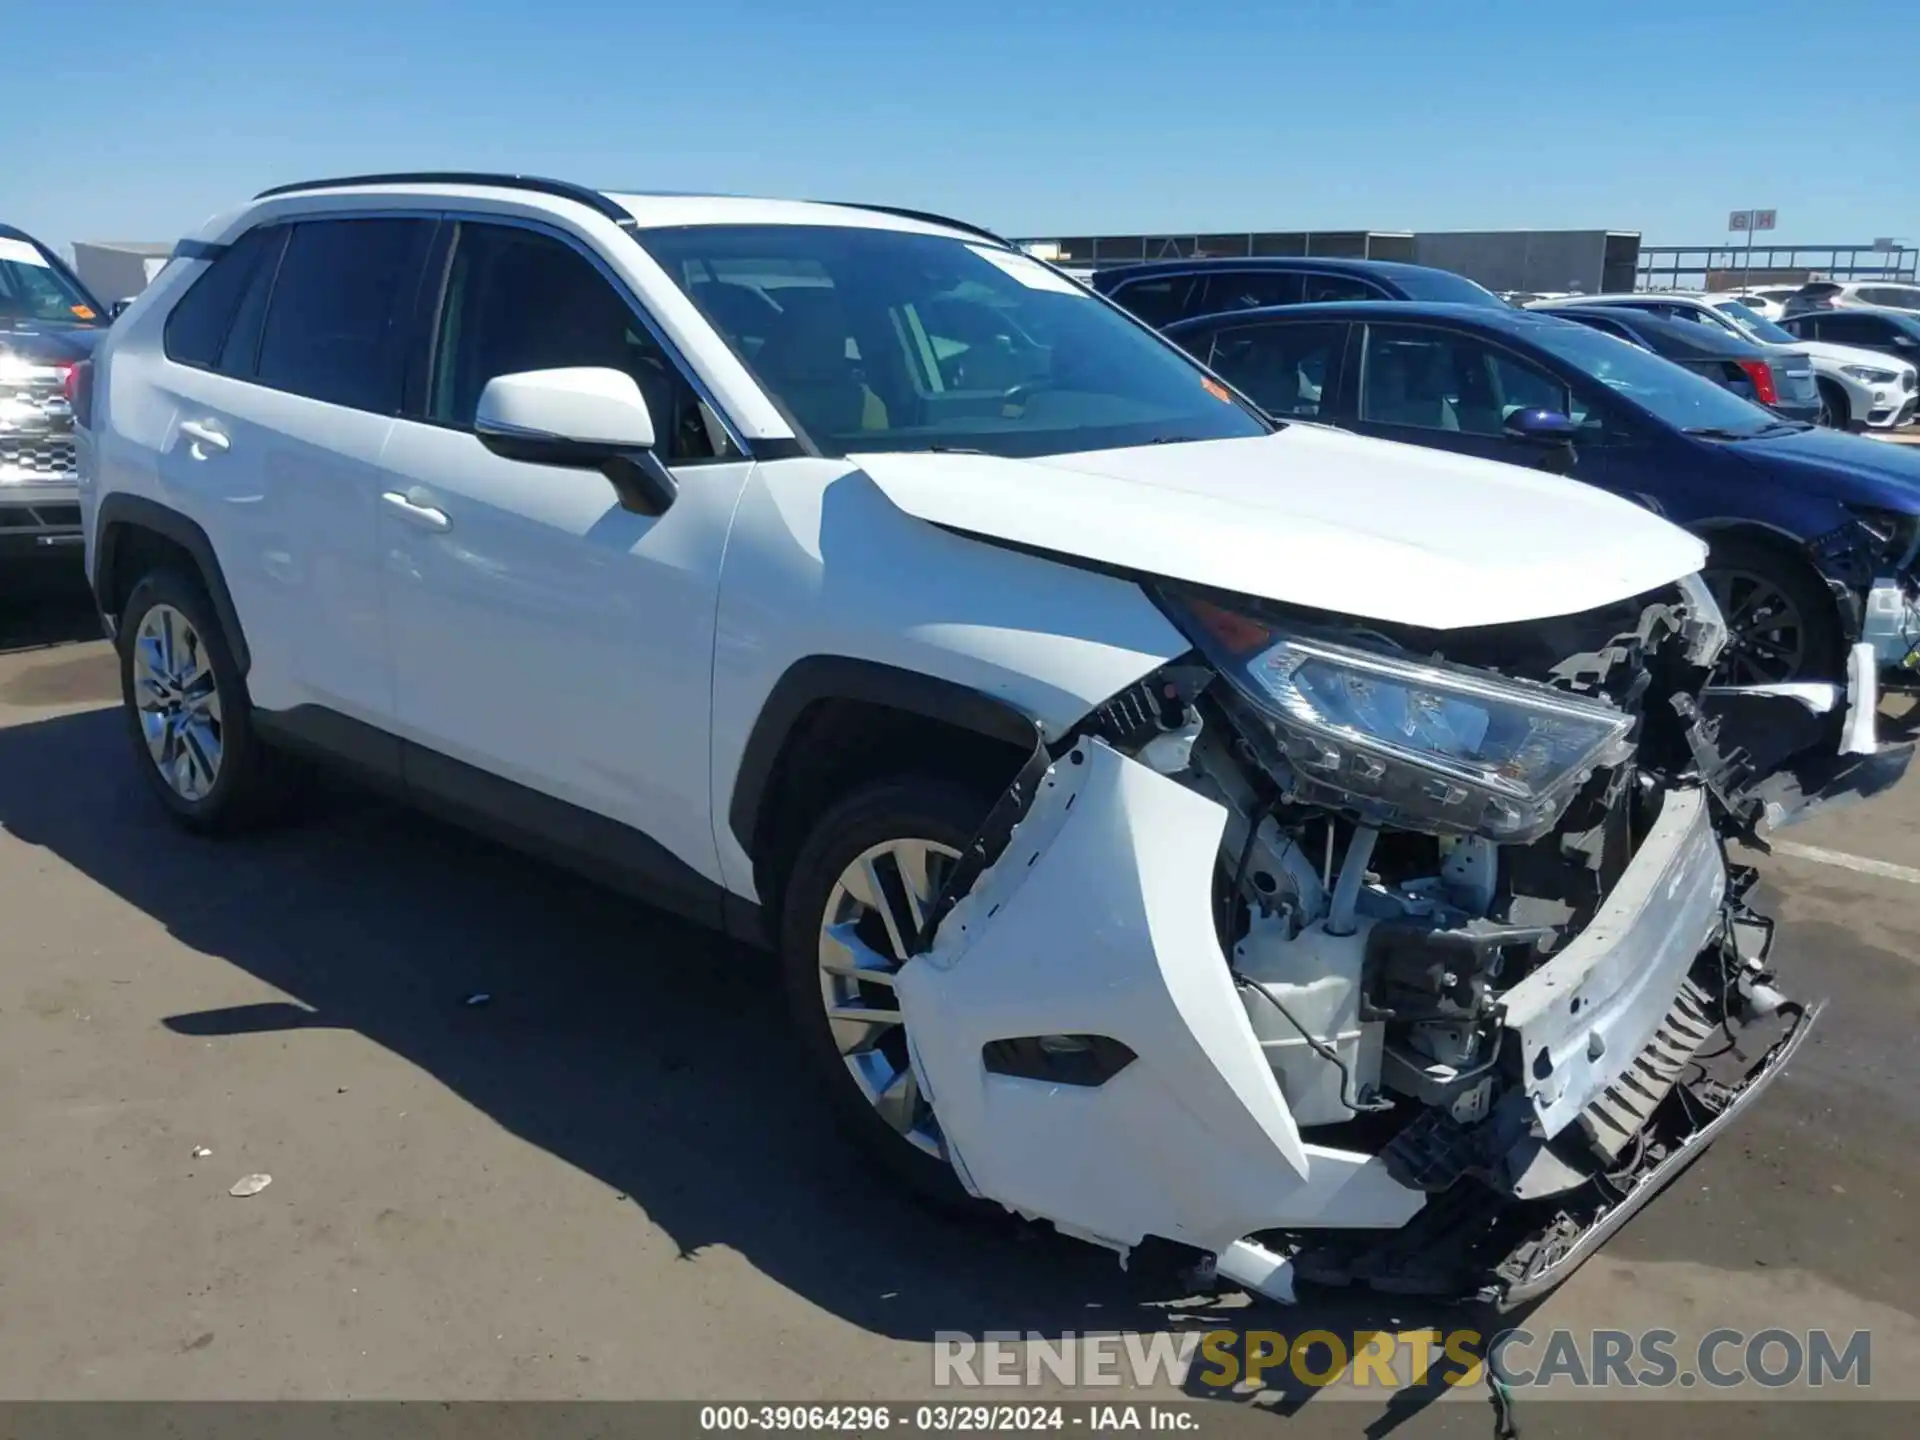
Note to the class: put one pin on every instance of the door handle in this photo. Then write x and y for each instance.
(427, 517)
(205, 435)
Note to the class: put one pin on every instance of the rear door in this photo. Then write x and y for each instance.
(285, 368)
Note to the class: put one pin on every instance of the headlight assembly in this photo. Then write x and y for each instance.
(1421, 744)
(1870, 374)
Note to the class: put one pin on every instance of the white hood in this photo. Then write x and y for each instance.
(1314, 517)
(1850, 355)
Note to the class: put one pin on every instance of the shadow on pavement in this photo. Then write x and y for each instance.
(42, 605)
(647, 1053)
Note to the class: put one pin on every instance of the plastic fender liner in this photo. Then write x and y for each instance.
(1096, 920)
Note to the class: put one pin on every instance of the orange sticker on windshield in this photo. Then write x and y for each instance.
(85, 312)
(1216, 389)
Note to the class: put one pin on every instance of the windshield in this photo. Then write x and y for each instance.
(1665, 390)
(1758, 327)
(31, 289)
(875, 339)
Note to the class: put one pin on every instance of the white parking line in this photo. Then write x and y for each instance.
(1861, 863)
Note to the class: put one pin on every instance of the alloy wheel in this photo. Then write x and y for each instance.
(1766, 634)
(178, 701)
(867, 932)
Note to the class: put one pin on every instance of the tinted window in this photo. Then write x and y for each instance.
(1285, 369)
(900, 341)
(1426, 283)
(1605, 326)
(1900, 297)
(197, 326)
(1246, 290)
(1854, 329)
(1338, 287)
(344, 293)
(1436, 380)
(1159, 301)
(517, 300)
(242, 346)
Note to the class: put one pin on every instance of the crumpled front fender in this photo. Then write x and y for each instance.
(1096, 921)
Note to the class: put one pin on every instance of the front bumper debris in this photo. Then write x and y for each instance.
(1891, 625)
(1091, 938)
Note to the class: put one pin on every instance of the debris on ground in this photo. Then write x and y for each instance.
(481, 998)
(250, 1185)
(201, 1152)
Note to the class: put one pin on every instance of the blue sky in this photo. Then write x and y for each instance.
(122, 120)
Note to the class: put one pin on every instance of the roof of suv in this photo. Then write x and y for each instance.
(1379, 269)
(653, 209)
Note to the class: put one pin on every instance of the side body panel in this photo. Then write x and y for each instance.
(820, 563)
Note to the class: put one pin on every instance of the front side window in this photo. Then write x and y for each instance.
(873, 339)
(31, 289)
(1284, 369)
(1437, 380)
(343, 294)
(517, 300)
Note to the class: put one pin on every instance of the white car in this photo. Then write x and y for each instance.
(1173, 823)
(1841, 294)
(1769, 302)
(1859, 389)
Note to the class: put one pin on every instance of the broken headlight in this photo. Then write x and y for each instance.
(1417, 743)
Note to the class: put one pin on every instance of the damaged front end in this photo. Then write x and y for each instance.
(1363, 954)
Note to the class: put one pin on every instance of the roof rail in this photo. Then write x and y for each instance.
(565, 189)
(930, 218)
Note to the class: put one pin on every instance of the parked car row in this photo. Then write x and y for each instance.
(1177, 819)
(1691, 407)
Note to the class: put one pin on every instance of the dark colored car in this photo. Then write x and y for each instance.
(1782, 380)
(1891, 332)
(1812, 531)
(1163, 291)
(48, 324)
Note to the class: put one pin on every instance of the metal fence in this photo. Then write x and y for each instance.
(1703, 267)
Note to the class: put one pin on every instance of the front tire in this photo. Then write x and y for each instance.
(1836, 411)
(1781, 620)
(187, 710)
(867, 871)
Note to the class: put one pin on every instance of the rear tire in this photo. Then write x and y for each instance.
(1782, 621)
(188, 714)
(877, 825)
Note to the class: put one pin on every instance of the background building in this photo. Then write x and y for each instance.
(118, 269)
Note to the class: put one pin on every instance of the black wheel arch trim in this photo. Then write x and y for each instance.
(1849, 607)
(119, 513)
(815, 678)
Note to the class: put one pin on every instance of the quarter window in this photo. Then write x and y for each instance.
(517, 300)
(343, 295)
(197, 326)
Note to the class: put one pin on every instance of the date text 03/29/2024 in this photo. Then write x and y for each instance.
(948, 1418)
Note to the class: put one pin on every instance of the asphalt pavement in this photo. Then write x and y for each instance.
(603, 1182)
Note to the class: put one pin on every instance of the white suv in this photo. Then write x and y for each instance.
(1173, 823)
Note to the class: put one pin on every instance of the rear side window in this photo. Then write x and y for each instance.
(1285, 369)
(1159, 301)
(198, 324)
(1247, 290)
(1339, 287)
(1854, 329)
(343, 295)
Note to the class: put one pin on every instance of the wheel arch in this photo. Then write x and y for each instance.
(133, 535)
(831, 722)
(1795, 552)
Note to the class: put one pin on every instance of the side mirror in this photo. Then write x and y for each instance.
(584, 418)
(1549, 427)
(119, 307)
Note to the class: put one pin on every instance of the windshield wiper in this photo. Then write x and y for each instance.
(1720, 432)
